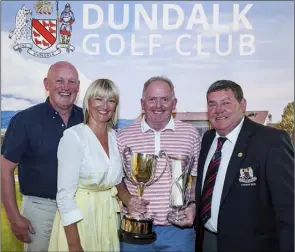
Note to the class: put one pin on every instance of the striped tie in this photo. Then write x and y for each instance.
(206, 199)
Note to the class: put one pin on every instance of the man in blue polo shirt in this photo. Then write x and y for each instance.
(31, 142)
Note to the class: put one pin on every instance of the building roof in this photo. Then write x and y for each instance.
(256, 116)
(273, 125)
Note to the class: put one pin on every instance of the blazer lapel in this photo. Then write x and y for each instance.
(206, 148)
(206, 144)
(237, 157)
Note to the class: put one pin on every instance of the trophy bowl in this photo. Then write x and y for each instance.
(181, 186)
(140, 169)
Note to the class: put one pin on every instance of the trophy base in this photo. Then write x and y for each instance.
(136, 230)
(132, 238)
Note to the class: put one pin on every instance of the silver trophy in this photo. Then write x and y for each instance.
(181, 186)
(140, 170)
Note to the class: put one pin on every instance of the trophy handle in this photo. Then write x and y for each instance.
(188, 173)
(162, 153)
(127, 150)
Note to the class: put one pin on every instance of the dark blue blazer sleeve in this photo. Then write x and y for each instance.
(280, 178)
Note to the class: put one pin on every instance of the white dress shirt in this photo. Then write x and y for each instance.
(83, 163)
(226, 153)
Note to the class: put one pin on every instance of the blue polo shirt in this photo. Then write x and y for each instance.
(31, 140)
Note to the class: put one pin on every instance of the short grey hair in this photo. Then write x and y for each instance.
(102, 88)
(158, 78)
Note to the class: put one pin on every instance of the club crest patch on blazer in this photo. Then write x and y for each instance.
(247, 176)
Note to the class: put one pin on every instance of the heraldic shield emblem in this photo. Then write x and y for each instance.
(44, 32)
(43, 29)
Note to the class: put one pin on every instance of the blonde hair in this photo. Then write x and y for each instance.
(102, 88)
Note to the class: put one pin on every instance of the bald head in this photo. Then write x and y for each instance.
(62, 83)
(61, 65)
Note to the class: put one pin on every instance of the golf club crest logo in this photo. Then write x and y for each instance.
(247, 176)
(45, 36)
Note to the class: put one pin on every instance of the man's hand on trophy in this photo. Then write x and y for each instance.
(188, 214)
(136, 205)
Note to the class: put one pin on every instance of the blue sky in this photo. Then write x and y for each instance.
(266, 76)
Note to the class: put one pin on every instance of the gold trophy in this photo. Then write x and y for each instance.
(142, 167)
(180, 170)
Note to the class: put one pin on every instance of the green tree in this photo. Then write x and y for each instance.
(287, 121)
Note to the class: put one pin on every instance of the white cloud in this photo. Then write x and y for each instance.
(267, 79)
(264, 41)
(23, 78)
(194, 66)
(153, 68)
(14, 104)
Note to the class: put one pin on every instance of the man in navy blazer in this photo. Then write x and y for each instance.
(248, 203)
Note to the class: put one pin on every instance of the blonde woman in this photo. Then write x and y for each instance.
(89, 167)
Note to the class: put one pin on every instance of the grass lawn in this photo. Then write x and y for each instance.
(8, 240)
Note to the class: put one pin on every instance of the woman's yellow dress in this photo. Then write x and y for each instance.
(95, 195)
